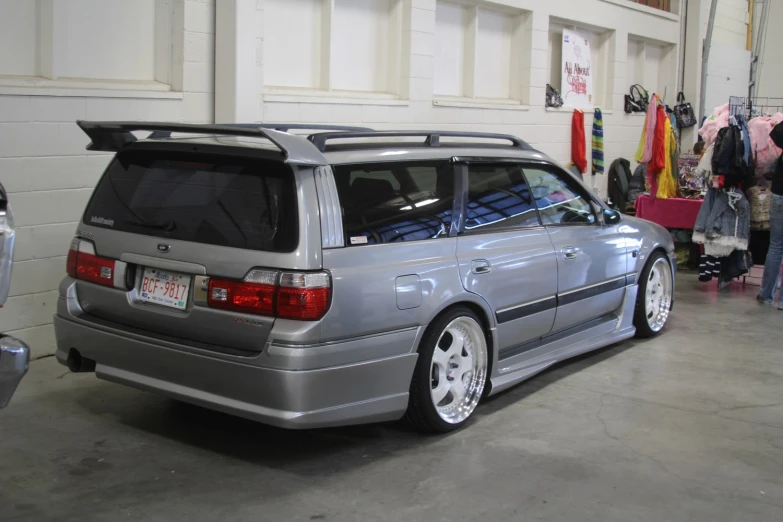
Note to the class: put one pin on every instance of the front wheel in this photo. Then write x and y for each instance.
(450, 373)
(654, 298)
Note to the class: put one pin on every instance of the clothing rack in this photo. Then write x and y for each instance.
(748, 108)
(756, 106)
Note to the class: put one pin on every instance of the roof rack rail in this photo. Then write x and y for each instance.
(281, 127)
(111, 136)
(432, 138)
(285, 127)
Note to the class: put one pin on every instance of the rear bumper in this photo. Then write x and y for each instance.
(372, 390)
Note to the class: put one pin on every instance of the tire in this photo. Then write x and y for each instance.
(653, 307)
(437, 403)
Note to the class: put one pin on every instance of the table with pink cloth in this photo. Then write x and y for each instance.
(669, 213)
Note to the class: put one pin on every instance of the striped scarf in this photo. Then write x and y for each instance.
(598, 142)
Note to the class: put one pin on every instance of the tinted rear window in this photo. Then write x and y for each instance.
(395, 202)
(218, 200)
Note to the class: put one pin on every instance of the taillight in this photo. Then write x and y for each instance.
(83, 264)
(290, 295)
(255, 295)
(73, 255)
(303, 296)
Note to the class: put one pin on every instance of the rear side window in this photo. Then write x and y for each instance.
(217, 200)
(498, 198)
(395, 202)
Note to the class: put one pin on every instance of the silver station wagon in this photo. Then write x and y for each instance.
(347, 276)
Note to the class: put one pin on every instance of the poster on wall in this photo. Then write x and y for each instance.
(577, 83)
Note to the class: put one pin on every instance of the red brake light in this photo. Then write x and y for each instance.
(95, 269)
(70, 265)
(85, 265)
(302, 296)
(254, 298)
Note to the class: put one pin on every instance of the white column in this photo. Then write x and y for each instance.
(52, 39)
(238, 26)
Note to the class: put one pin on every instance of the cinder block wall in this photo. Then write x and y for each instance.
(50, 176)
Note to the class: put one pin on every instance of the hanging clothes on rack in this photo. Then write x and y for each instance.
(723, 222)
(765, 152)
(719, 119)
(667, 178)
(644, 151)
(658, 159)
(709, 267)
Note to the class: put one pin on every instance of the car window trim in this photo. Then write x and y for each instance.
(463, 164)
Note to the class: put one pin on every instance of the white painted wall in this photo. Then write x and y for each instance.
(379, 63)
(18, 37)
(361, 39)
(451, 27)
(770, 74)
(493, 54)
(730, 22)
(728, 70)
(43, 161)
(109, 39)
(294, 25)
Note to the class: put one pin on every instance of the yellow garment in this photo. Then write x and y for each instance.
(667, 184)
(640, 149)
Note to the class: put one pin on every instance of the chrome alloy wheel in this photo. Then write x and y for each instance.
(458, 370)
(658, 295)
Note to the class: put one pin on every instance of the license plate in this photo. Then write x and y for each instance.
(164, 288)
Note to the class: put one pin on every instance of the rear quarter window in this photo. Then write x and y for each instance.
(395, 202)
(211, 199)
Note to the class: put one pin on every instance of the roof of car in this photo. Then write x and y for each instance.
(340, 145)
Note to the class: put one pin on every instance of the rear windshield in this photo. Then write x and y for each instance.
(218, 200)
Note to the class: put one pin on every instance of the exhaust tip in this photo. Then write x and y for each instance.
(79, 364)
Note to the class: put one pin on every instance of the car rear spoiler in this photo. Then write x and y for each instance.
(113, 136)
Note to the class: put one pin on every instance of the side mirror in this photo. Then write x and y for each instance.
(14, 361)
(611, 217)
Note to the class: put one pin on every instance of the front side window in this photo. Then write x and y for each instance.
(395, 202)
(559, 203)
(498, 198)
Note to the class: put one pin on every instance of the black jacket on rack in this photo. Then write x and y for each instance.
(777, 178)
(728, 158)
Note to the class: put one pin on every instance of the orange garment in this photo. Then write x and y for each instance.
(658, 161)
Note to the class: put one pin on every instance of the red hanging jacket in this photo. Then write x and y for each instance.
(578, 143)
(658, 161)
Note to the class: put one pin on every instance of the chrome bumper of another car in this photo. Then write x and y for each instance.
(14, 361)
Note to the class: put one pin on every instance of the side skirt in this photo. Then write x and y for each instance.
(525, 361)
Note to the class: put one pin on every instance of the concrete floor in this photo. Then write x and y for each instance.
(688, 426)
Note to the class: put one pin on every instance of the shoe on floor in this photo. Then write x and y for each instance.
(765, 301)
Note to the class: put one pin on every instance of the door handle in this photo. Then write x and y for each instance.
(570, 252)
(481, 266)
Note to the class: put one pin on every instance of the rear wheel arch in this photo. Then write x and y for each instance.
(483, 315)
